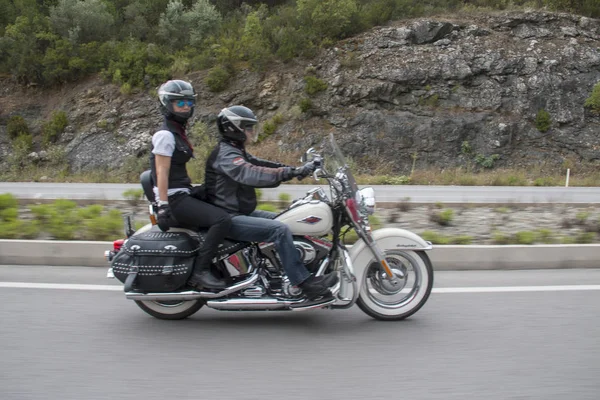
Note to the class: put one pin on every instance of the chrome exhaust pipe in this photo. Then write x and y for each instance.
(247, 304)
(190, 294)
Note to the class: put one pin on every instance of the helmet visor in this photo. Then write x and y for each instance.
(251, 131)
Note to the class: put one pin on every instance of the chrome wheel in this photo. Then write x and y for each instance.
(401, 296)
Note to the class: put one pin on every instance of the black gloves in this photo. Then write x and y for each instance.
(164, 217)
(300, 172)
(305, 170)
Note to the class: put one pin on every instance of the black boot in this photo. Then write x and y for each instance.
(203, 278)
(315, 287)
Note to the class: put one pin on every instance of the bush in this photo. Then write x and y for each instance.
(486, 162)
(7, 200)
(16, 127)
(217, 79)
(82, 21)
(305, 104)
(314, 85)
(443, 218)
(133, 196)
(525, 237)
(593, 102)
(543, 121)
(267, 207)
(55, 126)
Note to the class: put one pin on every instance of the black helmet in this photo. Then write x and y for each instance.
(176, 90)
(233, 121)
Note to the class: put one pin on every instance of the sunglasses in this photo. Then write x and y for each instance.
(182, 103)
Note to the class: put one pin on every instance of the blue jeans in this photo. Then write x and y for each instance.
(260, 226)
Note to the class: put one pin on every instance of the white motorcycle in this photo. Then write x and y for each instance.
(386, 272)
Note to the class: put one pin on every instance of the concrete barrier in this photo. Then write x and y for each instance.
(452, 257)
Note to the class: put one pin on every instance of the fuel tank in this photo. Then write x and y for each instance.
(314, 219)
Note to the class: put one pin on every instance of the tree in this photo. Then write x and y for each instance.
(204, 19)
(172, 26)
(82, 21)
(330, 18)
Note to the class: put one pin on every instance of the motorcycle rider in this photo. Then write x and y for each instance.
(179, 203)
(232, 174)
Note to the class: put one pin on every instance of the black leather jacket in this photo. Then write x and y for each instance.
(232, 174)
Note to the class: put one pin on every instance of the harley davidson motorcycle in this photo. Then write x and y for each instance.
(386, 272)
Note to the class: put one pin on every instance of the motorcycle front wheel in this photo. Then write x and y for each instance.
(395, 299)
(172, 310)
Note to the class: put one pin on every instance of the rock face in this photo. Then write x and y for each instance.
(443, 92)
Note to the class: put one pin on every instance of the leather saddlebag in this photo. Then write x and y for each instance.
(156, 261)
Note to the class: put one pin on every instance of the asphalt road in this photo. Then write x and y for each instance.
(476, 338)
(417, 194)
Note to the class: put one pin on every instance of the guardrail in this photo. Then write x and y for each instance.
(448, 257)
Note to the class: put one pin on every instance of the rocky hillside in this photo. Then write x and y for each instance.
(442, 91)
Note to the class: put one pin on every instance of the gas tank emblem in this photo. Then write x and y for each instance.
(170, 247)
(135, 247)
(310, 220)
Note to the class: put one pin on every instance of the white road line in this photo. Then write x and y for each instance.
(491, 289)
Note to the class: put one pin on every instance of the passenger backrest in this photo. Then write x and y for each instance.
(148, 185)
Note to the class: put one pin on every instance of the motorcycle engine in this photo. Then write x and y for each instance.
(312, 251)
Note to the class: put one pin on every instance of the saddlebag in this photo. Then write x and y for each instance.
(156, 261)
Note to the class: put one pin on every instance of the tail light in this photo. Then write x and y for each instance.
(117, 244)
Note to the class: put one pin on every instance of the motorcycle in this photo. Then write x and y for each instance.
(386, 272)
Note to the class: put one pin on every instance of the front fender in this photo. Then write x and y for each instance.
(386, 239)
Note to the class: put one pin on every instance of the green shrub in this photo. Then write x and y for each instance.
(103, 227)
(314, 85)
(501, 238)
(16, 127)
(9, 214)
(586, 237)
(217, 79)
(90, 212)
(593, 102)
(285, 197)
(7, 200)
(126, 89)
(543, 120)
(581, 217)
(267, 207)
(545, 236)
(486, 161)
(270, 126)
(443, 217)
(133, 196)
(525, 237)
(54, 126)
(465, 148)
(461, 239)
(435, 237)
(305, 104)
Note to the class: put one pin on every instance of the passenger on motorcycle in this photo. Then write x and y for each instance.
(232, 174)
(179, 203)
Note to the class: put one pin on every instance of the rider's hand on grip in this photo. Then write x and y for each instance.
(164, 217)
(305, 170)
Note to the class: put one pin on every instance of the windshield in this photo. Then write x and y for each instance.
(337, 161)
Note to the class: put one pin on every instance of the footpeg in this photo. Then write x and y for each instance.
(312, 304)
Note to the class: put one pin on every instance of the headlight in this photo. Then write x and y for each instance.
(367, 199)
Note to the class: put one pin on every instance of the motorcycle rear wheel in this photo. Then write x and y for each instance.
(170, 310)
(382, 300)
